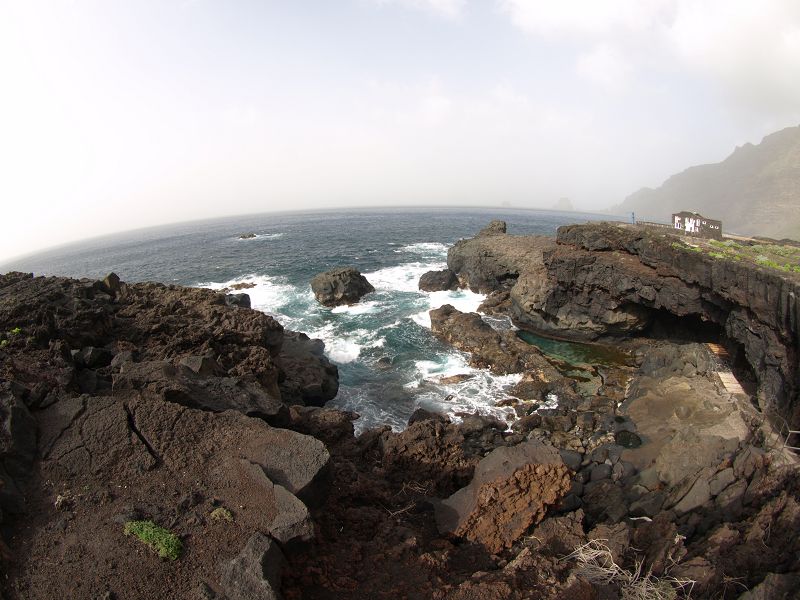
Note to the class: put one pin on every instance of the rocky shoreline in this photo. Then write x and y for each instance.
(185, 408)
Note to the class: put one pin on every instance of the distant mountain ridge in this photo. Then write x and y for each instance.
(755, 191)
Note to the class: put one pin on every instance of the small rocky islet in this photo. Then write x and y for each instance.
(185, 410)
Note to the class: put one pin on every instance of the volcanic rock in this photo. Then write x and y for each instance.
(344, 285)
(502, 352)
(494, 228)
(510, 491)
(308, 376)
(241, 300)
(437, 281)
(184, 386)
(491, 262)
(255, 574)
(609, 279)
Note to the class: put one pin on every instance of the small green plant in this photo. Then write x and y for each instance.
(15, 331)
(222, 514)
(164, 542)
(686, 247)
(716, 255)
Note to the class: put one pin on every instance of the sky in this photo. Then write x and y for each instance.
(120, 114)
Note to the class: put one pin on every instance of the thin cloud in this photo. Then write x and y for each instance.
(450, 9)
(746, 50)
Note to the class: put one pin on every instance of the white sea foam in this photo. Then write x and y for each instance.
(503, 323)
(479, 392)
(551, 401)
(361, 308)
(426, 248)
(346, 347)
(269, 294)
(401, 278)
(454, 364)
(463, 300)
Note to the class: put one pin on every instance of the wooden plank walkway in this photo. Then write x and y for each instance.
(726, 376)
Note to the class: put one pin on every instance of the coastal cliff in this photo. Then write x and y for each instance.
(606, 280)
(162, 441)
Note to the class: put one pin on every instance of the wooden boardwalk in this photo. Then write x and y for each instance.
(727, 377)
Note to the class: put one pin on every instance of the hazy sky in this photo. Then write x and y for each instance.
(122, 114)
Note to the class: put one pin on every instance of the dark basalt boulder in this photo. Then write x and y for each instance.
(241, 300)
(343, 285)
(438, 281)
(501, 352)
(308, 377)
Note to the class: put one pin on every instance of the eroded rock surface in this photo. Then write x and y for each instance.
(510, 491)
(127, 402)
(609, 279)
(343, 285)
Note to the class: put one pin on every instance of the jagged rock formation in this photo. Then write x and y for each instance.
(500, 352)
(344, 285)
(127, 402)
(493, 228)
(603, 280)
(510, 491)
(755, 191)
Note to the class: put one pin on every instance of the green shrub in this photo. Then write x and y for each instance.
(164, 542)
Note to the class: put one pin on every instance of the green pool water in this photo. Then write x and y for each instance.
(576, 353)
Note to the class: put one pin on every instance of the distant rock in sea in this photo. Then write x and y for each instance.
(247, 236)
(563, 204)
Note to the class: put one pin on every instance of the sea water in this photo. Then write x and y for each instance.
(391, 247)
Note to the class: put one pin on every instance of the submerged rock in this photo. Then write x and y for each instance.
(343, 285)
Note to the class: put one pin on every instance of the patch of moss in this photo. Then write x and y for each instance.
(164, 542)
(15, 331)
(685, 247)
(222, 514)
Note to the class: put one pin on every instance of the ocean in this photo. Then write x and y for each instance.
(391, 247)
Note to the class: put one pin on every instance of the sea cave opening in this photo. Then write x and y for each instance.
(665, 325)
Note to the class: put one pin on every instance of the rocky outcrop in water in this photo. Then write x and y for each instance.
(344, 285)
(501, 352)
(437, 281)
